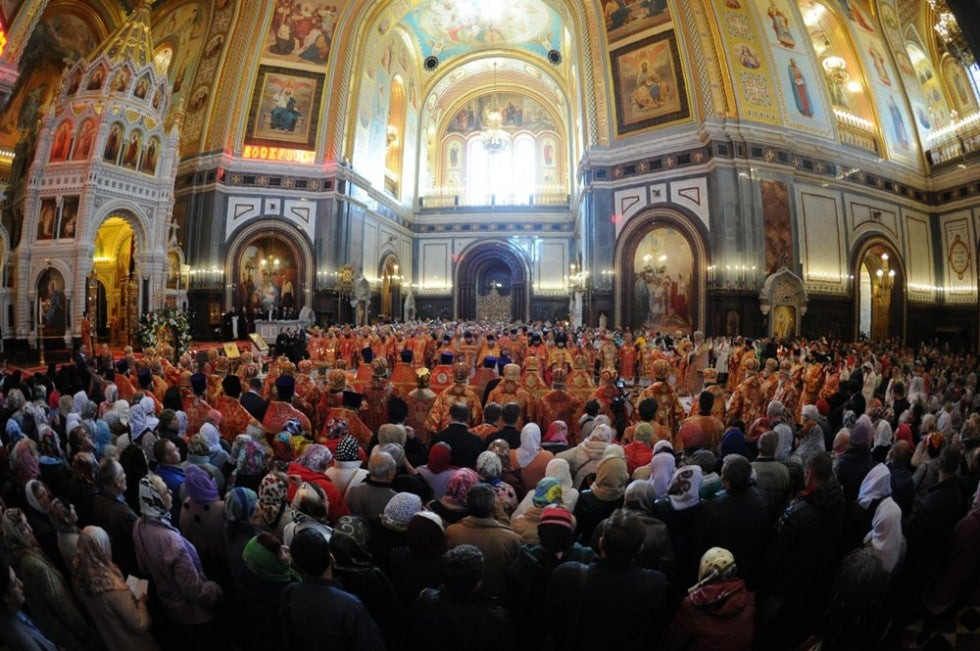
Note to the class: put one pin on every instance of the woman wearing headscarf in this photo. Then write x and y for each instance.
(122, 619)
(48, 596)
(855, 463)
(418, 565)
(82, 489)
(135, 465)
(925, 460)
(438, 470)
(639, 451)
(489, 468)
(883, 435)
(187, 598)
(267, 573)
(391, 529)
(346, 471)
(307, 509)
(583, 459)
(24, 462)
(199, 455)
(530, 458)
(662, 467)
(875, 488)
(273, 515)
(51, 461)
(311, 467)
(509, 473)
(202, 519)
(680, 511)
(451, 507)
(546, 493)
(355, 569)
(240, 527)
(557, 468)
(556, 438)
(65, 522)
(252, 458)
(216, 453)
(38, 504)
(605, 495)
(718, 612)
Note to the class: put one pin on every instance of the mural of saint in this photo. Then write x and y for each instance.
(780, 26)
(662, 289)
(800, 94)
(96, 79)
(131, 153)
(120, 81)
(784, 321)
(62, 143)
(150, 158)
(142, 87)
(454, 156)
(86, 138)
(52, 304)
(879, 62)
(266, 273)
(748, 58)
(112, 143)
(898, 125)
(45, 224)
(852, 9)
(286, 113)
(69, 216)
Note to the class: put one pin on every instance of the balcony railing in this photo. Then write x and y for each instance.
(449, 200)
(954, 142)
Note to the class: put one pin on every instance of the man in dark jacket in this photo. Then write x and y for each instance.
(903, 488)
(315, 613)
(930, 527)
(856, 461)
(611, 603)
(801, 557)
(657, 553)
(457, 615)
(737, 519)
(466, 445)
(509, 414)
(252, 400)
(111, 512)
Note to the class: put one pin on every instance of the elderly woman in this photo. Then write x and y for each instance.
(198, 454)
(135, 465)
(451, 507)
(251, 456)
(558, 469)
(546, 493)
(202, 519)
(556, 438)
(584, 458)
(489, 468)
(639, 451)
(418, 565)
(346, 471)
(216, 453)
(187, 597)
(240, 527)
(48, 596)
(680, 511)
(308, 509)
(122, 619)
(530, 458)
(391, 529)
(38, 504)
(605, 495)
(24, 462)
(311, 467)
(267, 573)
(272, 512)
(438, 470)
(661, 468)
(509, 473)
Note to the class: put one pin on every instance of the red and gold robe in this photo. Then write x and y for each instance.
(511, 391)
(717, 407)
(279, 412)
(787, 394)
(670, 413)
(234, 418)
(403, 378)
(126, 388)
(813, 378)
(376, 397)
(420, 403)
(438, 419)
(197, 413)
(559, 404)
(627, 361)
(748, 402)
(481, 379)
(441, 378)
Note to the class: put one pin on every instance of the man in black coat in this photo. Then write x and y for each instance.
(611, 603)
(801, 558)
(509, 414)
(252, 400)
(466, 445)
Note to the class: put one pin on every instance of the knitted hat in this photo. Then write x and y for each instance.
(400, 510)
(347, 449)
(555, 514)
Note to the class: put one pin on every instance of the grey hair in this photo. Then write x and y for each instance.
(396, 451)
(775, 408)
(381, 464)
(810, 412)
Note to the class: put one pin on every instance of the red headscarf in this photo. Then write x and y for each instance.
(904, 433)
(439, 458)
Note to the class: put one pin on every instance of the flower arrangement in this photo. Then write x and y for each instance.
(166, 326)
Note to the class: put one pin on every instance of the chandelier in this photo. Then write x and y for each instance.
(494, 138)
(883, 281)
(950, 34)
(836, 69)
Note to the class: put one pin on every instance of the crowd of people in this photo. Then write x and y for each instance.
(446, 486)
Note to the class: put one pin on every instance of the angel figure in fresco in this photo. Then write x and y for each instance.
(879, 62)
(748, 58)
(898, 125)
(854, 14)
(800, 94)
(780, 25)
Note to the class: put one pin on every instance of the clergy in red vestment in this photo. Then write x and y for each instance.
(438, 419)
(420, 402)
(627, 358)
(377, 394)
(348, 413)
(234, 417)
(510, 390)
(195, 406)
(442, 375)
(484, 375)
(670, 413)
(281, 409)
(559, 404)
(403, 375)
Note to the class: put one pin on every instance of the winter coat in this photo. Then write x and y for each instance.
(903, 488)
(772, 478)
(52, 607)
(854, 464)
(716, 617)
(171, 561)
(657, 553)
(336, 507)
(589, 512)
(960, 578)
(447, 622)
(122, 620)
(929, 530)
(316, 615)
(738, 522)
(117, 519)
(803, 552)
(498, 542)
(583, 460)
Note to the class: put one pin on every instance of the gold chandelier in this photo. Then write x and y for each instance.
(950, 34)
(494, 138)
(883, 280)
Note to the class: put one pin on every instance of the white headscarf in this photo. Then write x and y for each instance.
(212, 436)
(559, 469)
(685, 487)
(662, 468)
(883, 434)
(530, 445)
(602, 432)
(78, 401)
(876, 485)
(886, 533)
(784, 444)
(148, 408)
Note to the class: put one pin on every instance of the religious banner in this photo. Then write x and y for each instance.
(52, 303)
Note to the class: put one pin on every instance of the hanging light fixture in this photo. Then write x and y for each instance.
(495, 139)
(950, 34)
(883, 281)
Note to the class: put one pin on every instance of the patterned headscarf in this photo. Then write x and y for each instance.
(488, 465)
(400, 510)
(349, 544)
(250, 457)
(240, 503)
(17, 533)
(151, 499)
(201, 488)
(282, 446)
(347, 449)
(272, 497)
(94, 572)
(292, 427)
(336, 428)
(548, 491)
(459, 485)
(316, 458)
(685, 487)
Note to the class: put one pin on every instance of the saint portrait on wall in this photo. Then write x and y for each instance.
(69, 217)
(52, 304)
(46, 220)
(780, 26)
(800, 93)
(748, 58)
(131, 152)
(86, 138)
(112, 144)
(62, 143)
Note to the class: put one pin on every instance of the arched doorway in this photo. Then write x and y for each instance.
(491, 284)
(879, 290)
(391, 280)
(270, 273)
(113, 287)
(660, 283)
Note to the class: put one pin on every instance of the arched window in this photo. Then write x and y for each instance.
(525, 168)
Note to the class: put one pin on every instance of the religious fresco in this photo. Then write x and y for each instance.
(69, 217)
(776, 221)
(267, 275)
(285, 107)
(520, 113)
(663, 276)
(47, 219)
(627, 17)
(301, 31)
(798, 80)
(959, 88)
(649, 84)
(52, 304)
(446, 29)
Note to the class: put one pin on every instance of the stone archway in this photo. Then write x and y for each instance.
(492, 280)
(268, 269)
(391, 278)
(879, 288)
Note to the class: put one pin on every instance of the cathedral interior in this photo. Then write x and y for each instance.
(787, 167)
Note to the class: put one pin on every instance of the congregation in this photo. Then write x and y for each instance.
(455, 485)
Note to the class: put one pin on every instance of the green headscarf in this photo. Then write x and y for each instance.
(266, 565)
